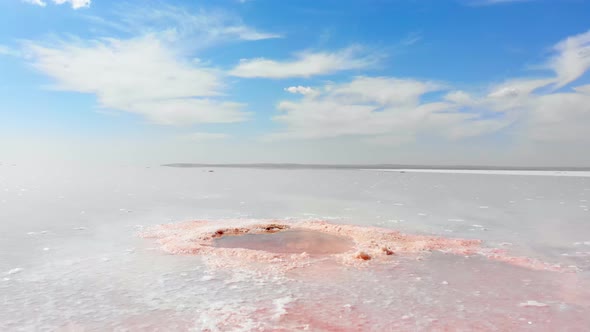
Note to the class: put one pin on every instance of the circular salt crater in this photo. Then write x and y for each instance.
(289, 241)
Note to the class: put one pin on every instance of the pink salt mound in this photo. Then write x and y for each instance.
(385, 290)
(289, 244)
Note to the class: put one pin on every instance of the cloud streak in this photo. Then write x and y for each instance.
(494, 2)
(177, 24)
(76, 4)
(305, 64)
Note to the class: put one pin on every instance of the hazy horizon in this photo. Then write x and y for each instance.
(374, 166)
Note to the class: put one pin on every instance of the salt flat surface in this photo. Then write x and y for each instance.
(71, 258)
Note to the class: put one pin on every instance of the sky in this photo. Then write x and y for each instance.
(438, 82)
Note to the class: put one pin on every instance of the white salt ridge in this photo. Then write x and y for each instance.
(532, 303)
(280, 306)
(36, 233)
(14, 271)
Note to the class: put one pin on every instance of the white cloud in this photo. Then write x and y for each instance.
(365, 106)
(36, 2)
(572, 59)
(516, 88)
(204, 137)
(559, 117)
(388, 110)
(583, 89)
(247, 33)
(142, 75)
(305, 64)
(459, 97)
(384, 90)
(76, 4)
(153, 74)
(512, 95)
(304, 90)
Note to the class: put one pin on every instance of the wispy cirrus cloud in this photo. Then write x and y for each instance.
(493, 2)
(412, 38)
(306, 64)
(208, 27)
(76, 4)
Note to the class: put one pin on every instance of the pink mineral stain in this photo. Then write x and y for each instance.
(323, 257)
(289, 243)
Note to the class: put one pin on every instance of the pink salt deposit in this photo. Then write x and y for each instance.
(288, 244)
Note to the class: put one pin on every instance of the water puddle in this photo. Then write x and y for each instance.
(292, 241)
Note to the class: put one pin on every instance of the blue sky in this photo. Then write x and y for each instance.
(374, 81)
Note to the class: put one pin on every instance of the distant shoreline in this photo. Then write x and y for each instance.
(385, 167)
